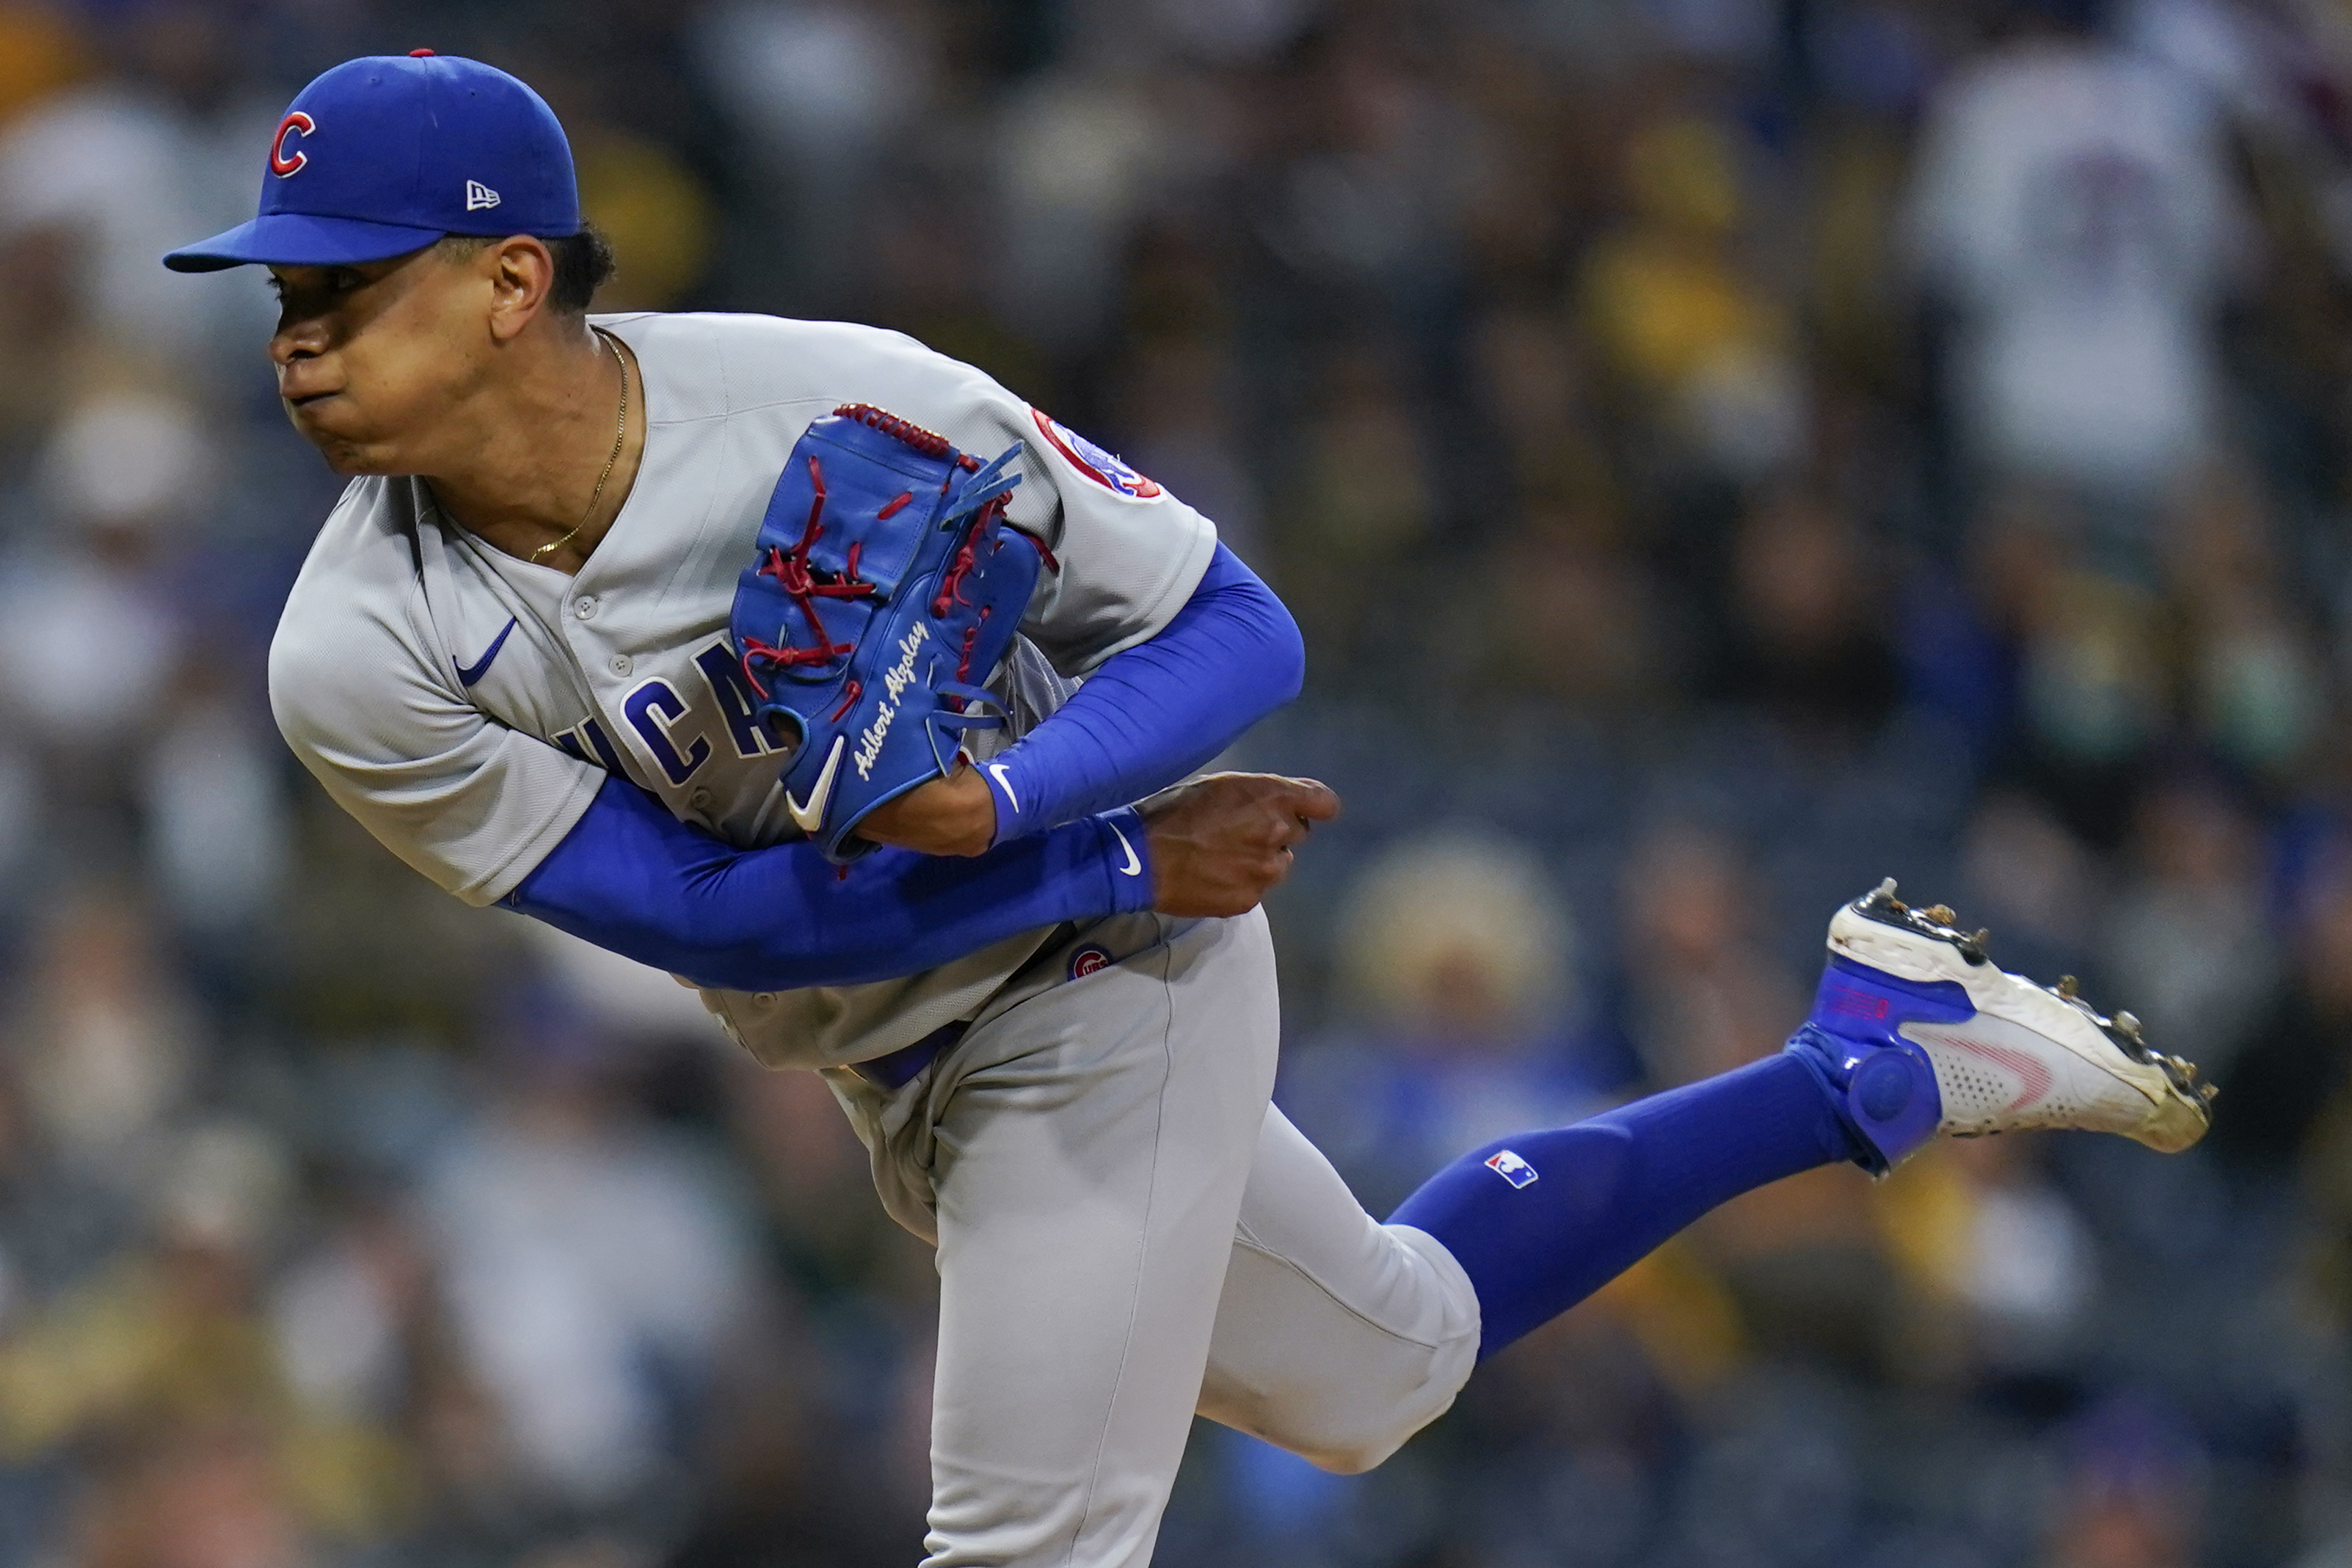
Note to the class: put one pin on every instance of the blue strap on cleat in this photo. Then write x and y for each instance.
(1881, 1085)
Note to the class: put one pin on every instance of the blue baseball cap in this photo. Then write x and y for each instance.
(385, 154)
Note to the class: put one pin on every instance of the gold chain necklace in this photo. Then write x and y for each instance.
(620, 432)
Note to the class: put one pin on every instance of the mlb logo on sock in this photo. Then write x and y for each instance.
(1511, 1168)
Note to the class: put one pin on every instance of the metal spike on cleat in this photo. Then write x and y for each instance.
(2125, 1030)
(1935, 920)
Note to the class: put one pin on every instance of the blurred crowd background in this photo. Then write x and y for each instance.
(1723, 453)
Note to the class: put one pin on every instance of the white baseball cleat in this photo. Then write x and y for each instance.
(1916, 1032)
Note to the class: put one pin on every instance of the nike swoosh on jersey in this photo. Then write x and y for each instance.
(996, 772)
(809, 815)
(467, 676)
(1134, 866)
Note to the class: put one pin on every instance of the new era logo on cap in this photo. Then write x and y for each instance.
(479, 196)
(1511, 1168)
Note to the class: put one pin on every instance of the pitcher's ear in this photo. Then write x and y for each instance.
(521, 274)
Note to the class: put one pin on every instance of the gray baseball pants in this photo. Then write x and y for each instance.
(1129, 1231)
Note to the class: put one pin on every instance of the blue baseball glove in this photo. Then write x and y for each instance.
(886, 588)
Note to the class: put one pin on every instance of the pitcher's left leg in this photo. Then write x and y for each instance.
(1090, 1162)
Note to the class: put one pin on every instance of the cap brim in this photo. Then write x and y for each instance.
(300, 239)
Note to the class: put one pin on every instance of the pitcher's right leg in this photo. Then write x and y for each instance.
(1337, 1337)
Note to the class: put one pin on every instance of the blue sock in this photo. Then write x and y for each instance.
(1541, 1220)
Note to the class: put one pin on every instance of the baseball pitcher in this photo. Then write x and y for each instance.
(825, 672)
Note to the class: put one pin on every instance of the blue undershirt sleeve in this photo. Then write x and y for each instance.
(633, 879)
(1159, 710)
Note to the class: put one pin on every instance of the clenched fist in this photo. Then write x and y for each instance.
(1218, 843)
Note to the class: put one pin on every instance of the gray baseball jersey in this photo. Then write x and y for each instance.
(467, 706)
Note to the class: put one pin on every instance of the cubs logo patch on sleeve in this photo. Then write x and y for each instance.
(1103, 468)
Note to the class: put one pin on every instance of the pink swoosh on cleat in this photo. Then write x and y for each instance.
(2035, 1072)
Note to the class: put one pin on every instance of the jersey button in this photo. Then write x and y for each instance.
(766, 998)
(700, 799)
(584, 607)
(621, 665)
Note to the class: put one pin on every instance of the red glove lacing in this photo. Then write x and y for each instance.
(804, 585)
